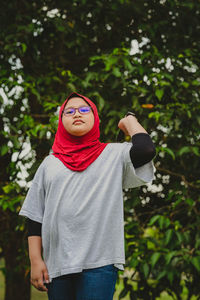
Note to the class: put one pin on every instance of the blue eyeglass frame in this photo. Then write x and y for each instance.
(75, 109)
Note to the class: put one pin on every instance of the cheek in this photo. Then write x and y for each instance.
(65, 122)
(92, 121)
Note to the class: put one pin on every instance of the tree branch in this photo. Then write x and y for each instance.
(177, 175)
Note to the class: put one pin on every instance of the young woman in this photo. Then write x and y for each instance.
(74, 207)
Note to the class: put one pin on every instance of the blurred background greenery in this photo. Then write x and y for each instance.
(125, 55)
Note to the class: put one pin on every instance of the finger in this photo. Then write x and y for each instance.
(120, 125)
(41, 285)
(46, 276)
(41, 289)
(34, 283)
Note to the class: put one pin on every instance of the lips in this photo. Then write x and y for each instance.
(78, 121)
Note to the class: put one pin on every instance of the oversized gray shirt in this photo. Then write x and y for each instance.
(82, 213)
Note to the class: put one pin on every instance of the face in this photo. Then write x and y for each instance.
(71, 124)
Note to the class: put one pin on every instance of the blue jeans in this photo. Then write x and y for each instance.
(90, 284)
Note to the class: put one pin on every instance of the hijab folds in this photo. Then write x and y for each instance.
(78, 152)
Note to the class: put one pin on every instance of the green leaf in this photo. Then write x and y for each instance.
(169, 151)
(100, 100)
(196, 262)
(145, 268)
(161, 274)
(16, 142)
(86, 83)
(185, 84)
(190, 201)
(195, 150)
(56, 78)
(189, 114)
(170, 276)
(197, 243)
(127, 64)
(179, 236)
(151, 245)
(168, 256)
(153, 220)
(7, 188)
(168, 236)
(164, 83)
(71, 86)
(141, 70)
(4, 149)
(145, 55)
(156, 115)
(134, 262)
(196, 82)
(50, 105)
(183, 150)
(159, 93)
(27, 121)
(154, 258)
(109, 62)
(35, 92)
(24, 47)
(116, 72)
(163, 222)
(170, 77)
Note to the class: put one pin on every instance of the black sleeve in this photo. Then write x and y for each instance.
(34, 228)
(143, 149)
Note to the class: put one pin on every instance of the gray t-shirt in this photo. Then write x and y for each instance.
(82, 213)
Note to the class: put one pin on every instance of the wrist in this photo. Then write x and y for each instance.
(35, 260)
(133, 126)
(130, 113)
(131, 117)
(35, 248)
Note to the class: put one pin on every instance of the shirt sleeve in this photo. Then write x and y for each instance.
(142, 150)
(34, 203)
(135, 177)
(34, 228)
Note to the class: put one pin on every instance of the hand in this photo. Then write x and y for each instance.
(39, 274)
(130, 126)
(122, 125)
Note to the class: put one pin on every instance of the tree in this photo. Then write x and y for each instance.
(53, 48)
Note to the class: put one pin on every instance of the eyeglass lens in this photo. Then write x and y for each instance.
(71, 111)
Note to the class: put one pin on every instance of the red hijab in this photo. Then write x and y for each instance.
(78, 152)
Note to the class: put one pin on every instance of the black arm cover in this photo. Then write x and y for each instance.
(34, 228)
(143, 149)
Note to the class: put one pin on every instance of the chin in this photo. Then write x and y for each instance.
(78, 133)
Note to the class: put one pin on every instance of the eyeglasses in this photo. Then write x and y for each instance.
(82, 110)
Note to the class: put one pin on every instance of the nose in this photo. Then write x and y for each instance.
(77, 113)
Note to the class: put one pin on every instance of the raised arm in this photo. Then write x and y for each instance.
(143, 149)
